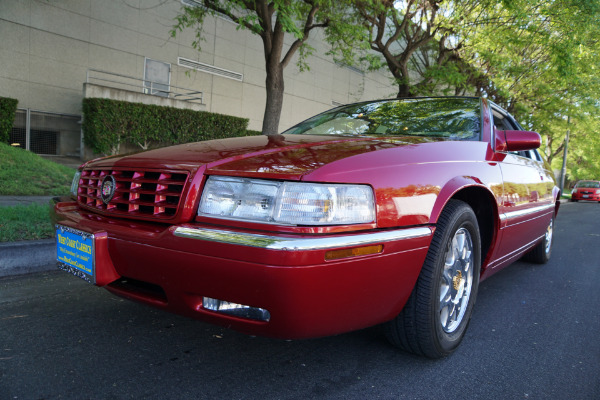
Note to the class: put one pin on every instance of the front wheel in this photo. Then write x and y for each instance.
(435, 317)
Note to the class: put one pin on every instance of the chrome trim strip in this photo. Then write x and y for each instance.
(520, 213)
(271, 242)
(515, 252)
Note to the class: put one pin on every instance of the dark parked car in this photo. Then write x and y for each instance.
(388, 212)
(586, 190)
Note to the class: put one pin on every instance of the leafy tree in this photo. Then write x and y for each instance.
(418, 40)
(541, 58)
(536, 58)
(272, 20)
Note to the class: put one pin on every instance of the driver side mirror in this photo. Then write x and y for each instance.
(517, 140)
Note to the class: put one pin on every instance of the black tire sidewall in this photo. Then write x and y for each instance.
(545, 256)
(462, 217)
(538, 254)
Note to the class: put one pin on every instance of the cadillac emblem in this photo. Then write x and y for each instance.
(107, 189)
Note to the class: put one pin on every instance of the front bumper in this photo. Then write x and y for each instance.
(176, 267)
(585, 197)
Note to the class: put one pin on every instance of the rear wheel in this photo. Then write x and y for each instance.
(541, 253)
(435, 318)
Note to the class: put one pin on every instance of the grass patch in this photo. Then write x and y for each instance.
(23, 173)
(29, 222)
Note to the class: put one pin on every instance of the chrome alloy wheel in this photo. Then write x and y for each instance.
(457, 280)
(549, 236)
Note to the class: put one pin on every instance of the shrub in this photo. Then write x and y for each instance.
(109, 123)
(8, 107)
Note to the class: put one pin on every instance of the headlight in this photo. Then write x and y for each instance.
(297, 203)
(75, 183)
(597, 191)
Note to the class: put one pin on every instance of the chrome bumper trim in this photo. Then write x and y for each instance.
(302, 243)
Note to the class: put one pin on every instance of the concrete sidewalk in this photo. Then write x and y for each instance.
(8, 201)
(28, 255)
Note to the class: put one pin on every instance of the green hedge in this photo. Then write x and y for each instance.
(109, 123)
(8, 107)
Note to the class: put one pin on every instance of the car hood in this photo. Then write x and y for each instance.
(278, 156)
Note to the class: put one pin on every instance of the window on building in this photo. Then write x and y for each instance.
(157, 77)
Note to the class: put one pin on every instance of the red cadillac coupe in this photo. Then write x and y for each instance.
(385, 212)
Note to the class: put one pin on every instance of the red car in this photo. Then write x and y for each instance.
(586, 190)
(389, 212)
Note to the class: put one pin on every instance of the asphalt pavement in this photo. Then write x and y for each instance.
(533, 335)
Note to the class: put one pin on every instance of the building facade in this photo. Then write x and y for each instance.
(55, 53)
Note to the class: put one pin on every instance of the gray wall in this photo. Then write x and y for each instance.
(46, 47)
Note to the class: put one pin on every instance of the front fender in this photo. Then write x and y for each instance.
(464, 183)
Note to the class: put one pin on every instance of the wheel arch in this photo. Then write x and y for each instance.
(557, 195)
(481, 199)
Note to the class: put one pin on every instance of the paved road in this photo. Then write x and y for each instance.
(534, 335)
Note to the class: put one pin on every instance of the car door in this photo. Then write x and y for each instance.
(527, 201)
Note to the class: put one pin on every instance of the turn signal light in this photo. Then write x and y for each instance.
(353, 252)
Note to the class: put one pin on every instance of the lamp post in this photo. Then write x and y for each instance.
(564, 165)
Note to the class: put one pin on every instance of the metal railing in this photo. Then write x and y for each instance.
(47, 133)
(131, 83)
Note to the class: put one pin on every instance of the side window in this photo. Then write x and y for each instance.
(532, 154)
(501, 121)
(536, 155)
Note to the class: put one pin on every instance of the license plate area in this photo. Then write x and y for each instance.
(75, 252)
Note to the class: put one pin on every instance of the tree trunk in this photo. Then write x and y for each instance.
(275, 88)
(403, 79)
(403, 90)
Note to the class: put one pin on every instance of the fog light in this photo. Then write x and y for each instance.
(237, 310)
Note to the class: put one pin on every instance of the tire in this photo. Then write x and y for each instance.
(541, 253)
(432, 323)
(574, 201)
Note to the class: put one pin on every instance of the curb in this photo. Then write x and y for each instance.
(28, 256)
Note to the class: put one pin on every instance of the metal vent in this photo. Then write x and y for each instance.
(198, 66)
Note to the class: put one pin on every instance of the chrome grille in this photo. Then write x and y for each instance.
(138, 193)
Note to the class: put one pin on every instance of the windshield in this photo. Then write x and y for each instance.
(588, 184)
(451, 118)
